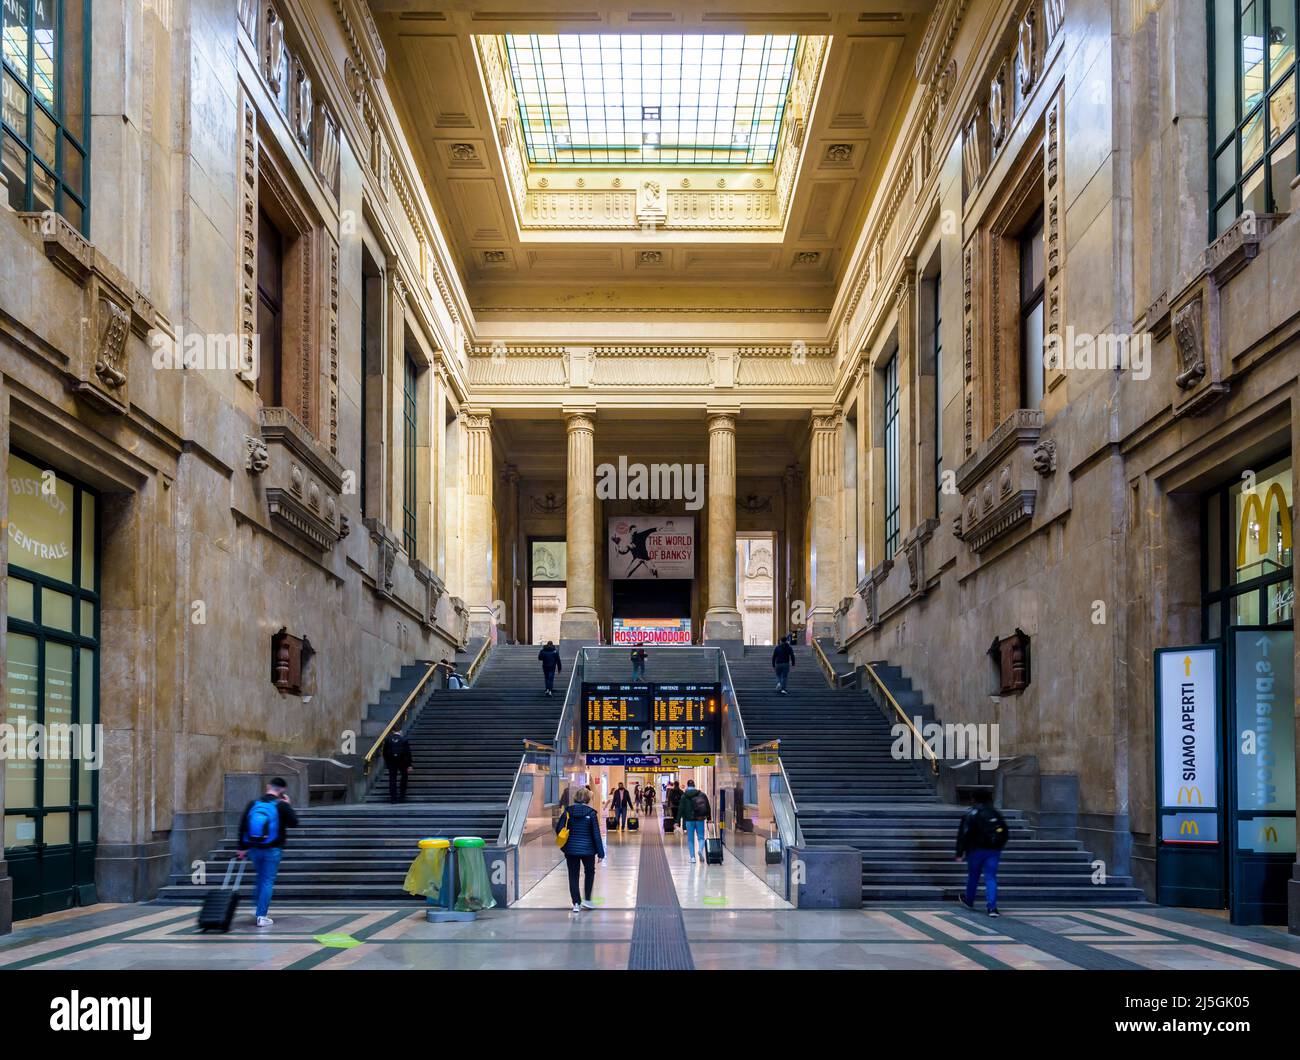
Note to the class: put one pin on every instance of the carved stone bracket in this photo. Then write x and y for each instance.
(999, 483)
(1239, 245)
(303, 481)
(434, 590)
(113, 310)
(1045, 457)
(386, 548)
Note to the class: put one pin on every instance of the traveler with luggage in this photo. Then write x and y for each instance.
(397, 757)
(692, 811)
(648, 796)
(674, 797)
(782, 660)
(262, 837)
(620, 802)
(581, 847)
(550, 656)
(638, 662)
(981, 836)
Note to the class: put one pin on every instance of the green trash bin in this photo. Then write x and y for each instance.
(475, 884)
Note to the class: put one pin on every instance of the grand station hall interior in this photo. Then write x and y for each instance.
(827, 463)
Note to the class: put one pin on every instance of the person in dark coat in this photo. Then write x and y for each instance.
(782, 660)
(692, 812)
(583, 847)
(550, 657)
(262, 839)
(674, 797)
(620, 802)
(982, 834)
(638, 662)
(397, 757)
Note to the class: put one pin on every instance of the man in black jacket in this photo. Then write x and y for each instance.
(782, 660)
(981, 836)
(397, 757)
(550, 658)
(620, 802)
(262, 838)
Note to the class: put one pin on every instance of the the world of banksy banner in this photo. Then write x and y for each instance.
(660, 547)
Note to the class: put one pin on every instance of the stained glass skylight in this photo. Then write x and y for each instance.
(625, 99)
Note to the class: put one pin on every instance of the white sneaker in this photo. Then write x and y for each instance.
(587, 903)
(577, 908)
(264, 921)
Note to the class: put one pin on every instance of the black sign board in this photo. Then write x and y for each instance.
(646, 719)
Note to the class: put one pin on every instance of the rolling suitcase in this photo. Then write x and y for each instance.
(669, 823)
(712, 845)
(633, 824)
(219, 905)
(611, 822)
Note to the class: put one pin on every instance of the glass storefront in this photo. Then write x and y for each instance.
(53, 748)
(1248, 609)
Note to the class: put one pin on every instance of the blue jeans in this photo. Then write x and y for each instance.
(981, 862)
(266, 860)
(694, 834)
(782, 675)
(638, 671)
(620, 815)
(550, 679)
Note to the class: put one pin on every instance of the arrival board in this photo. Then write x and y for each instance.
(643, 719)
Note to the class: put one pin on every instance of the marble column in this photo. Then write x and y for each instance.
(580, 621)
(508, 580)
(722, 621)
(478, 543)
(794, 606)
(824, 500)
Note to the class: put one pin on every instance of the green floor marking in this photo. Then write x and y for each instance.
(714, 899)
(337, 941)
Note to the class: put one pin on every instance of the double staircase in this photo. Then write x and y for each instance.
(466, 747)
(851, 791)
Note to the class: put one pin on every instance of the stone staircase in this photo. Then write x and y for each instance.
(835, 745)
(466, 745)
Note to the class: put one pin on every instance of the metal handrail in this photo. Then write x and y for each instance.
(934, 760)
(826, 664)
(478, 660)
(400, 715)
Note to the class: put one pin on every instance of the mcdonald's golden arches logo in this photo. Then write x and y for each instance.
(1189, 828)
(1272, 497)
(1186, 793)
(1268, 834)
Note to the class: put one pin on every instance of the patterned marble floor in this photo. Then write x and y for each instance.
(340, 937)
(699, 886)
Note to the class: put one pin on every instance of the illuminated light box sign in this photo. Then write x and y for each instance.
(1189, 699)
(635, 719)
(652, 631)
(660, 547)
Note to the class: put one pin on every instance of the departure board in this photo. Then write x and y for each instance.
(617, 719)
(643, 719)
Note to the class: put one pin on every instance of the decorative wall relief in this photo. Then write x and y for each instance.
(999, 483)
(998, 108)
(1189, 342)
(256, 459)
(1054, 231)
(248, 243)
(110, 350)
(1026, 52)
(303, 480)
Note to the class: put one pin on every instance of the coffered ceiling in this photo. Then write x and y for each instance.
(542, 238)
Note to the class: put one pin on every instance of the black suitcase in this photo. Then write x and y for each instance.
(668, 825)
(219, 905)
(713, 848)
(633, 824)
(611, 822)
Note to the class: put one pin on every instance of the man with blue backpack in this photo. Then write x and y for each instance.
(261, 838)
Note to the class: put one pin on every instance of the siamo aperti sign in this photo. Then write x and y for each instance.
(1189, 696)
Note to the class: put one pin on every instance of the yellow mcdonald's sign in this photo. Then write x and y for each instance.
(1187, 793)
(1268, 834)
(1273, 496)
(1189, 828)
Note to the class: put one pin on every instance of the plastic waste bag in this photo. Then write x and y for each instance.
(475, 885)
(425, 876)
